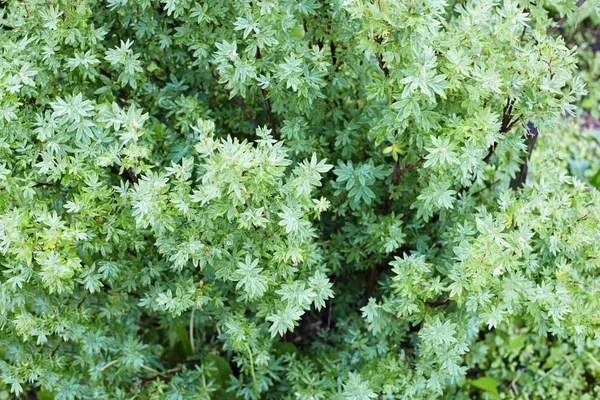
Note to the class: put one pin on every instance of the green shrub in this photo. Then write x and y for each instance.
(299, 199)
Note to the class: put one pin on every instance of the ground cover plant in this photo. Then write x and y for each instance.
(299, 199)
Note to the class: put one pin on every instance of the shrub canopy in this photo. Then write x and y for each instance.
(301, 199)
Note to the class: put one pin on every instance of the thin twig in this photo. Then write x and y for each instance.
(440, 304)
(508, 122)
(268, 105)
(525, 26)
(154, 371)
(524, 30)
(513, 383)
(107, 366)
(81, 302)
(256, 389)
(329, 316)
(216, 325)
(270, 114)
(486, 187)
(161, 375)
(175, 362)
(561, 21)
(239, 102)
(54, 351)
(192, 330)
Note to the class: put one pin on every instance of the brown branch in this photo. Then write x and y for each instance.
(329, 316)
(238, 101)
(396, 173)
(490, 153)
(127, 174)
(382, 66)
(523, 33)
(162, 376)
(488, 186)
(177, 362)
(43, 184)
(333, 55)
(507, 115)
(54, 351)
(562, 21)
(440, 304)
(513, 123)
(371, 283)
(508, 122)
(81, 302)
(525, 26)
(268, 105)
(270, 114)
(241, 104)
(532, 135)
(513, 384)
(385, 70)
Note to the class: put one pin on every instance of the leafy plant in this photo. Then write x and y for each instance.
(307, 199)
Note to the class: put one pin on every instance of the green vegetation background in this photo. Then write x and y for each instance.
(299, 199)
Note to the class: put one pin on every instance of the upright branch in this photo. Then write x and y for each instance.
(270, 114)
(382, 66)
(395, 180)
(508, 122)
(268, 105)
(332, 49)
(385, 70)
(396, 173)
(532, 135)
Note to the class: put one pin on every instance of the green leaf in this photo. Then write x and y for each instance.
(222, 372)
(487, 384)
(43, 395)
(283, 348)
(595, 180)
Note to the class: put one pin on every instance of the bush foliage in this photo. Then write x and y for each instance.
(301, 199)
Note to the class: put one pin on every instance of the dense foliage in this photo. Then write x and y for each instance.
(303, 199)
